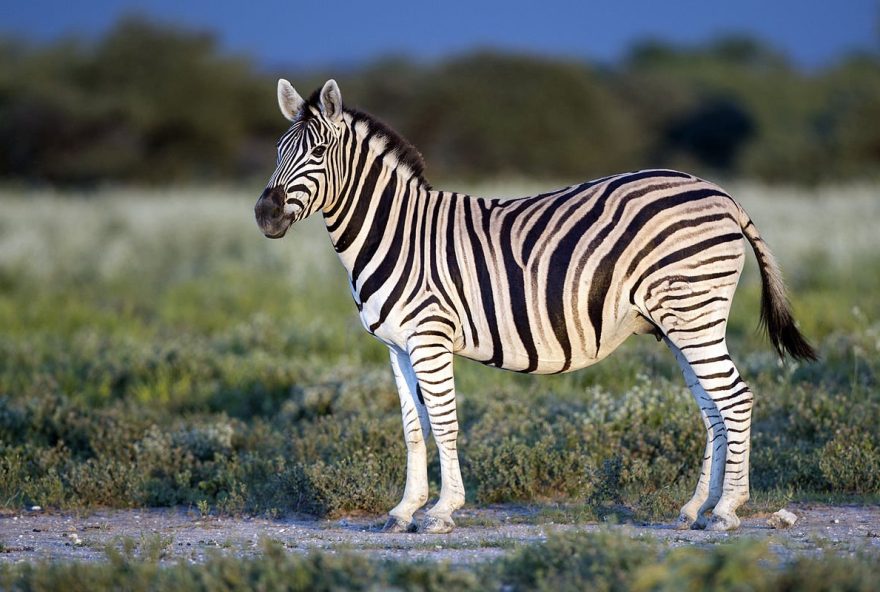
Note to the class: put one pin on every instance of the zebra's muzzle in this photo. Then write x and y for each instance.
(269, 212)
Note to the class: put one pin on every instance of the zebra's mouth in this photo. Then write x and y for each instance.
(279, 235)
(275, 232)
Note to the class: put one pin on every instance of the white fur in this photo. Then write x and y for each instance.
(289, 100)
(293, 208)
(331, 101)
(377, 143)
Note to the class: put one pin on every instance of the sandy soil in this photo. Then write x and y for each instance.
(483, 533)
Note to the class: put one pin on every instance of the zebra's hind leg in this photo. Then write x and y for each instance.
(710, 362)
(709, 485)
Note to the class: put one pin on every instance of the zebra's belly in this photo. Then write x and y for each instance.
(549, 358)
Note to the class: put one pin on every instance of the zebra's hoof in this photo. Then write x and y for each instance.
(436, 525)
(722, 522)
(396, 525)
(700, 523)
(684, 522)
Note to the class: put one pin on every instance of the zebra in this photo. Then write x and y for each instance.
(544, 284)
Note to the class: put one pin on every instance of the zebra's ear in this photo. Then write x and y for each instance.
(331, 101)
(289, 100)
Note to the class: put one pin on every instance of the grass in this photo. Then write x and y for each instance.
(155, 350)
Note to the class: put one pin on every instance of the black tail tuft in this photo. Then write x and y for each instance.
(784, 334)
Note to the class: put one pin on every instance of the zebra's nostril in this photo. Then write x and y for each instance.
(270, 206)
(266, 210)
(274, 196)
(277, 195)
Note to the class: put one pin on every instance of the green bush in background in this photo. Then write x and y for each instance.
(153, 103)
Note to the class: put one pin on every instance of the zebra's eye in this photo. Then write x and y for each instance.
(318, 151)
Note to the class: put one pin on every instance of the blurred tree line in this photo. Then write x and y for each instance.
(150, 103)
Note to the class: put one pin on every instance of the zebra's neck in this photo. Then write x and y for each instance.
(380, 206)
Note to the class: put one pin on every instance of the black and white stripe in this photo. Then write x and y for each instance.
(543, 284)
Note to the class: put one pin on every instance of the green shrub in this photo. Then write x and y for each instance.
(830, 572)
(576, 561)
(741, 565)
(850, 461)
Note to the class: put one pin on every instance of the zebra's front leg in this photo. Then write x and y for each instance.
(415, 430)
(432, 363)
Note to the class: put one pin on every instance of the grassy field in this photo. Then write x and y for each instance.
(156, 350)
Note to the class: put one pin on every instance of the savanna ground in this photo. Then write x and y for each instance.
(156, 351)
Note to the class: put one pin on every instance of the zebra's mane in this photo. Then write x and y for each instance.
(406, 153)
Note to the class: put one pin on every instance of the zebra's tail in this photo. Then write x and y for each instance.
(776, 315)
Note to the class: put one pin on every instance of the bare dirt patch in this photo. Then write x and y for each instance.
(484, 533)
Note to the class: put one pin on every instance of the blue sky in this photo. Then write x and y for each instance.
(324, 32)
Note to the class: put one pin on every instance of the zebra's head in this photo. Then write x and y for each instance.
(308, 157)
